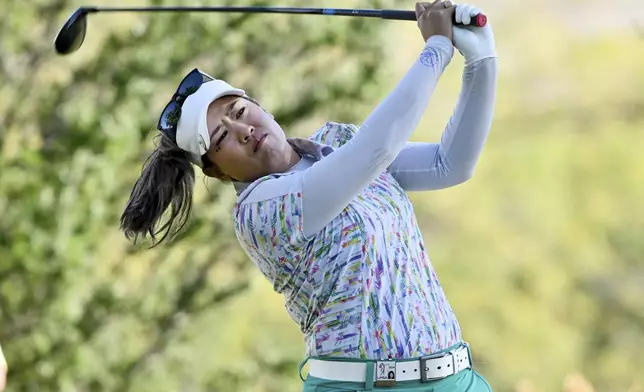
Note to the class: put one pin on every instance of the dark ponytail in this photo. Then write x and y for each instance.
(167, 181)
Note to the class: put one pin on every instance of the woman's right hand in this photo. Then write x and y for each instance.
(435, 19)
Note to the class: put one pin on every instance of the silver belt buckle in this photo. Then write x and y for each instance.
(385, 373)
(423, 363)
(424, 369)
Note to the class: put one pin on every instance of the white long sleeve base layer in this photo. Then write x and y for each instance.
(329, 185)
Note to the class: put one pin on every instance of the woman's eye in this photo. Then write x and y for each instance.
(221, 138)
(240, 112)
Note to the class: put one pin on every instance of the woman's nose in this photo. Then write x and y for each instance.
(241, 130)
(244, 131)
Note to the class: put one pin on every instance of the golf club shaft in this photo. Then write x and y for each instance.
(365, 13)
(408, 15)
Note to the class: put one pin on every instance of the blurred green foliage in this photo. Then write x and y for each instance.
(80, 309)
(541, 253)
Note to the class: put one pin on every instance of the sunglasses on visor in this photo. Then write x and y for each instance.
(170, 115)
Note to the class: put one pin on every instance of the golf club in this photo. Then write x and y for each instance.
(72, 34)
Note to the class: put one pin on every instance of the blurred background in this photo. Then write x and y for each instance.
(541, 253)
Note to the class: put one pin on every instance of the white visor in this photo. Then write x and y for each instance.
(192, 128)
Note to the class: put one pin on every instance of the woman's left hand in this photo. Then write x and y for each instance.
(474, 43)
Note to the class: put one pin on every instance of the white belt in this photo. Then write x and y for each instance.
(388, 372)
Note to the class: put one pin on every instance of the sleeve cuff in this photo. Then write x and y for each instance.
(443, 47)
(440, 42)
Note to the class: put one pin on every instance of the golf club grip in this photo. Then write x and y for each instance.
(479, 20)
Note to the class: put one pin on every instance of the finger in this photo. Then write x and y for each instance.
(467, 17)
(438, 4)
(426, 7)
(419, 10)
(460, 10)
(451, 11)
(447, 4)
(475, 11)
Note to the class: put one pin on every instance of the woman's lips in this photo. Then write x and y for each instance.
(259, 143)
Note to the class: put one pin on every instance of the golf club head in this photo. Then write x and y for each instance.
(72, 34)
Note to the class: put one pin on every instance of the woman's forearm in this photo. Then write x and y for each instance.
(330, 184)
(426, 166)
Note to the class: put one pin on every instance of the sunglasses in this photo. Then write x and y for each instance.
(170, 115)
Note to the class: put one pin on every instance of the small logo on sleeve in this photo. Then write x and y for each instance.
(429, 57)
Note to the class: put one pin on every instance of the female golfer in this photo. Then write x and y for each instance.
(327, 219)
